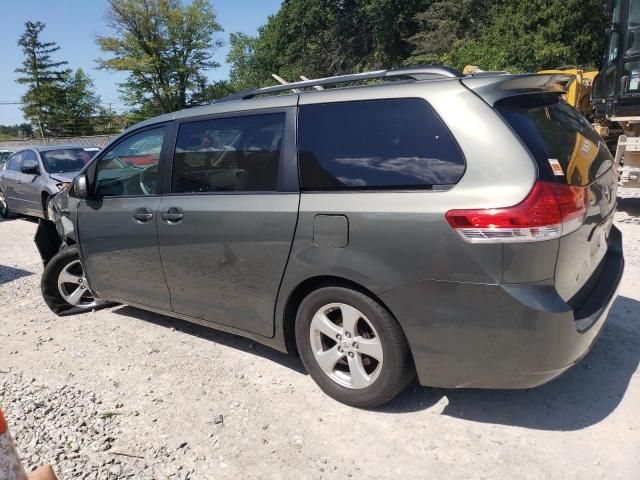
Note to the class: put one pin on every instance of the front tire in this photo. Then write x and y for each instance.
(4, 206)
(64, 285)
(352, 347)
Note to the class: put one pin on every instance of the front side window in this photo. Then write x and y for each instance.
(131, 167)
(15, 162)
(633, 28)
(233, 154)
(65, 160)
(373, 144)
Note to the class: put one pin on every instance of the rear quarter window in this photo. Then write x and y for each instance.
(376, 144)
(553, 131)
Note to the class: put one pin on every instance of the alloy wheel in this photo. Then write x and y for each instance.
(346, 345)
(3, 204)
(73, 287)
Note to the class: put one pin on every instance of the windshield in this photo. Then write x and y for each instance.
(65, 160)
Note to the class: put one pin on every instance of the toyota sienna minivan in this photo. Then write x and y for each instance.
(454, 228)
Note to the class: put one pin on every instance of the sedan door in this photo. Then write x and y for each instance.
(226, 228)
(28, 186)
(117, 226)
(8, 177)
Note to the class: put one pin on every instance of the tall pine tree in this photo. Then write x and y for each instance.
(44, 77)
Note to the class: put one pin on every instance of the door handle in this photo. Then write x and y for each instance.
(143, 215)
(18, 181)
(172, 215)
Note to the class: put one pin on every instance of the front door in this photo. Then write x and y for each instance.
(27, 189)
(9, 176)
(117, 226)
(226, 228)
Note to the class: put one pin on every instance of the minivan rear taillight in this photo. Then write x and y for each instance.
(549, 211)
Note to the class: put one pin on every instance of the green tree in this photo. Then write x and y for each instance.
(81, 113)
(325, 37)
(164, 45)
(512, 35)
(445, 23)
(209, 92)
(328, 37)
(43, 76)
(16, 131)
(242, 56)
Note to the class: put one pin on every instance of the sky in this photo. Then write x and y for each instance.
(74, 24)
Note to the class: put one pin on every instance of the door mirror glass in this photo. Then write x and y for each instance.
(81, 186)
(30, 167)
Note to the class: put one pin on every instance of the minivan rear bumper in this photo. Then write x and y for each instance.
(501, 336)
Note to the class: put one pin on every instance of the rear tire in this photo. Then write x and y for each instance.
(64, 286)
(4, 206)
(352, 347)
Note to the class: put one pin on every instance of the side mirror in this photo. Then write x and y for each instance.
(30, 167)
(81, 186)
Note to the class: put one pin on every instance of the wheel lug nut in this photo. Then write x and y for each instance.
(339, 337)
(348, 335)
(351, 354)
(340, 349)
(355, 345)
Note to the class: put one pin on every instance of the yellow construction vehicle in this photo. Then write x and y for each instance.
(578, 91)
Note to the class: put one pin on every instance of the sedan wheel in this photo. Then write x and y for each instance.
(4, 209)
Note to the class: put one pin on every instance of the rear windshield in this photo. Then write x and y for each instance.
(65, 160)
(562, 141)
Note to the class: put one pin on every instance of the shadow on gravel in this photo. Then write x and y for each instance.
(9, 274)
(223, 338)
(583, 396)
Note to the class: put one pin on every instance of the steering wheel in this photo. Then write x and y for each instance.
(149, 180)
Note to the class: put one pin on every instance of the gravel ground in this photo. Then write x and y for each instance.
(122, 393)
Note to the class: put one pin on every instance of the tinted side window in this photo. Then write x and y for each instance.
(396, 143)
(131, 166)
(15, 162)
(228, 154)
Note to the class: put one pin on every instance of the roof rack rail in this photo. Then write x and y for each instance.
(426, 72)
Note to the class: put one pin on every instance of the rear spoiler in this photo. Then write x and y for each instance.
(494, 88)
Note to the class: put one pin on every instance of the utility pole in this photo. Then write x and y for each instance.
(40, 127)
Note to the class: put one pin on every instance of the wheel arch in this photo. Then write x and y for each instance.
(309, 285)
